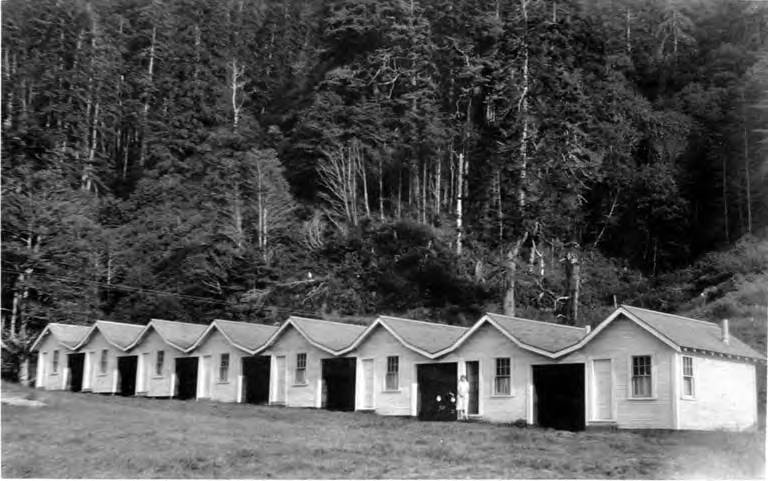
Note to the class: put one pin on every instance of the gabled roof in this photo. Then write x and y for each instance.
(118, 334)
(331, 337)
(68, 335)
(179, 335)
(544, 338)
(678, 332)
(425, 338)
(246, 336)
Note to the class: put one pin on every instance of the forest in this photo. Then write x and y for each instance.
(432, 159)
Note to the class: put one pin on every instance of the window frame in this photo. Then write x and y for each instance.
(300, 372)
(683, 377)
(498, 367)
(224, 367)
(159, 363)
(103, 362)
(651, 377)
(55, 359)
(392, 361)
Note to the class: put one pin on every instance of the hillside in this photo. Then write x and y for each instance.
(433, 159)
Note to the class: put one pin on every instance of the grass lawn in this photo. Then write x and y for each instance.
(94, 436)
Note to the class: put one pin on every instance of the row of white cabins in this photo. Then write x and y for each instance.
(636, 369)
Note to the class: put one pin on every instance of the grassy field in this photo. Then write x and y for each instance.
(93, 436)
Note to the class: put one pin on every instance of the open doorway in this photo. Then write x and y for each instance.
(186, 378)
(256, 379)
(126, 371)
(76, 364)
(437, 391)
(339, 383)
(559, 396)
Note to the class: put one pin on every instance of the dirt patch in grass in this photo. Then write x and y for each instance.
(87, 435)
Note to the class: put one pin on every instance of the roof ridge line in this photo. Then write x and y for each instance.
(424, 322)
(326, 320)
(534, 320)
(121, 323)
(709, 323)
(178, 322)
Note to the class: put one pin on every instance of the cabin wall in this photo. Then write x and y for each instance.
(209, 385)
(621, 340)
(379, 345)
(46, 378)
(94, 379)
(150, 383)
(486, 345)
(289, 344)
(725, 395)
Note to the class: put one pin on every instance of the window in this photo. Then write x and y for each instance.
(103, 361)
(502, 382)
(301, 368)
(392, 381)
(641, 376)
(55, 361)
(159, 361)
(688, 389)
(224, 368)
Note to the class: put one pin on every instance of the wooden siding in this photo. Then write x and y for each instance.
(157, 385)
(725, 395)
(619, 342)
(45, 377)
(378, 346)
(485, 346)
(93, 379)
(289, 344)
(225, 391)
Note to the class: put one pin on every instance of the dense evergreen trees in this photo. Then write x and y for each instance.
(248, 158)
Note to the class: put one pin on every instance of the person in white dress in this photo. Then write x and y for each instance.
(462, 400)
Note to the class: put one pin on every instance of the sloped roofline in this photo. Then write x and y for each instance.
(380, 321)
(151, 325)
(47, 330)
(215, 326)
(489, 320)
(608, 320)
(95, 327)
(290, 323)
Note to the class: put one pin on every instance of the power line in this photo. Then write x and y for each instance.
(125, 287)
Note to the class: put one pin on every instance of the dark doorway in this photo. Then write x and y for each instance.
(559, 396)
(473, 378)
(339, 383)
(437, 391)
(256, 379)
(126, 371)
(186, 378)
(76, 363)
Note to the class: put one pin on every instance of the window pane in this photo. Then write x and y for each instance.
(502, 385)
(502, 366)
(159, 363)
(688, 386)
(392, 381)
(224, 368)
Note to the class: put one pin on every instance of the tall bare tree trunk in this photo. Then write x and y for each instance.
(381, 189)
(438, 184)
(748, 186)
(511, 271)
(145, 111)
(459, 198)
(628, 31)
(725, 200)
(514, 251)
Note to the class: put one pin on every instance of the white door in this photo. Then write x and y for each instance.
(368, 383)
(603, 393)
(280, 380)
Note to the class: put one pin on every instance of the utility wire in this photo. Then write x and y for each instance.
(124, 287)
